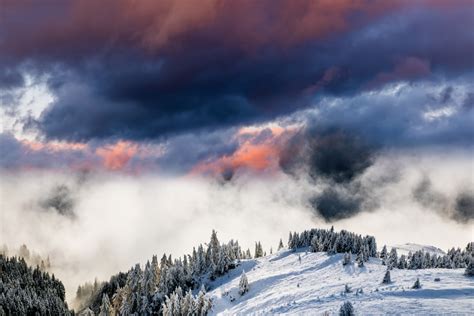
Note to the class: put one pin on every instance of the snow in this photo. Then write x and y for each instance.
(406, 248)
(280, 284)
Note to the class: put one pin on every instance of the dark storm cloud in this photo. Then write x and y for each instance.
(344, 136)
(464, 206)
(60, 199)
(144, 70)
(336, 203)
(334, 158)
(330, 153)
(459, 208)
(427, 196)
(339, 157)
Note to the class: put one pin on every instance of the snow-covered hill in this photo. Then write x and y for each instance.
(410, 247)
(282, 284)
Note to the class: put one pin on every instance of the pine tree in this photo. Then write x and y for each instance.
(148, 282)
(202, 303)
(106, 307)
(470, 267)
(176, 298)
(167, 308)
(346, 309)
(214, 246)
(248, 254)
(222, 262)
(346, 259)
(280, 245)
(402, 262)
(417, 284)
(258, 250)
(332, 250)
(347, 289)
(360, 259)
(290, 241)
(392, 258)
(314, 244)
(386, 278)
(243, 284)
(187, 307)
(383, 254)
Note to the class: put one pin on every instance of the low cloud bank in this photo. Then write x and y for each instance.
(96, 225)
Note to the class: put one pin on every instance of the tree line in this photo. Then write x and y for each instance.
(160, 285)
(327, 240)
(29, 291)
(455, 258)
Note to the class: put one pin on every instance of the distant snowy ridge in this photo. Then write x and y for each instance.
(404, 249)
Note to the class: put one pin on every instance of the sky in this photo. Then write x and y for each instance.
(293, 114)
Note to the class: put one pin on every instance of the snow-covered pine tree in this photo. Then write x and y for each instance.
(106, 307)
(280, 245)
(470, 267)
(290, 241)
(314, 244)
(417, 284)
(360, 259)
(402, 262)
(258, 250)
(202, 302)
(214, 246)
(346, 260)
(222, 263)
(187, 306)
(383, 254)
(386, 278)
(167, 307)
(332, 250)
(243, 284)
(148, 282)
(176, 298)
(347, 289)
(346, 309)
(426, 261)
(248, 254)
(392, 259)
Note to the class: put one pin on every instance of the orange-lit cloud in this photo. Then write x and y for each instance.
(116, 157)
(259, 150)
(53, 146)
(80, 156)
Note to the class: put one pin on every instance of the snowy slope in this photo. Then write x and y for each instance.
(406, 248)
(280, 284)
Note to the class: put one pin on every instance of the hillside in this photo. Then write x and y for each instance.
(280, 283)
